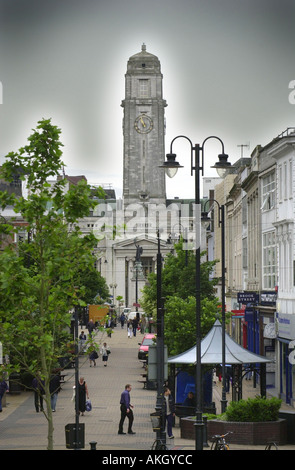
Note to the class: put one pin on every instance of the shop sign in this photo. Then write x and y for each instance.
(268, 298)
(247, 297)
(286, 326)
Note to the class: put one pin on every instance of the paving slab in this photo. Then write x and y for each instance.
(21, 428)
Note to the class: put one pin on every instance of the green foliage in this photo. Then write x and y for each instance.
(95, 286)
(179, 290)
(178, 279)
(180, 322)
(254, 410)
(42, 280)
(44, 277)
(179, 276)
(210, 416)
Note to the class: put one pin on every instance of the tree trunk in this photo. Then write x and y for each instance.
(49, 417)
(47, 374)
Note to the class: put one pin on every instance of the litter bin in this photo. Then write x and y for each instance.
(14, 383)
(156, 421)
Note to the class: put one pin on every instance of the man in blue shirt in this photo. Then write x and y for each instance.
(126, 410)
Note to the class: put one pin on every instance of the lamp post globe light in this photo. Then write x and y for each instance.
(171, 167)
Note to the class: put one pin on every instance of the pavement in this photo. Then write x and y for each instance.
(21, 428)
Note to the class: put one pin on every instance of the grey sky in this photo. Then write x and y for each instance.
(226, 68)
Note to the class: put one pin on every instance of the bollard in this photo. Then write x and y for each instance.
(205, 443)
(92, 445)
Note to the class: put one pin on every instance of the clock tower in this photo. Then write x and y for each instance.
(143, 131)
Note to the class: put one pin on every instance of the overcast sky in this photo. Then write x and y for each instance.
(226, 66)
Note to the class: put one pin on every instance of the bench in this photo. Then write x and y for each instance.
(144, 382)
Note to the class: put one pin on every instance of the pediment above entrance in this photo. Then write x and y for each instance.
(147, 243)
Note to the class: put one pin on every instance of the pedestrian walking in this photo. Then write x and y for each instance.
(82, 341)
(169, 411)
(83, 395)
(38, 386)
(90, 327)
(126, 410)
(227, 378)
(129, 329)
(3, 390)
(105, 351)
(142, 324)
(122, 320)
(54, 388)
(134, 326)
(109, 321)
(92, 358)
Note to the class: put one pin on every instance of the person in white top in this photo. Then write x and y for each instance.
(169, 411)
(105, 351)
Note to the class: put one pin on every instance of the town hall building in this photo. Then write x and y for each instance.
(142, 216)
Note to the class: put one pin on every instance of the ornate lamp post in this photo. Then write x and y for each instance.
(138, 274)
(221, 223)
(161, 434)
(171, 166)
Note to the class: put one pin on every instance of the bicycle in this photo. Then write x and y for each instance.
(219, 442)
(271, 446)
(159, 445)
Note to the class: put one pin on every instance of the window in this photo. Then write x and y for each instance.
(290, 179)
(280, 184)
(245, 253)
(147, 266)
(244, 211)
(285, 181)
(269, 260)
(144, 89)
(268, 192)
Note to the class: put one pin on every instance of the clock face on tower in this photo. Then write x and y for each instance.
(143, 124)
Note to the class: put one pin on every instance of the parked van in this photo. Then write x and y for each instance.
(132, 315)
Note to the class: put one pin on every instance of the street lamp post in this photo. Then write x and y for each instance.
(161, 434)
(113, 286)
(171, 166)
(77, 424)
(221, 223)
(138, 274)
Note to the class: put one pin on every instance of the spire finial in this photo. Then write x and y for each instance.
(143, 47)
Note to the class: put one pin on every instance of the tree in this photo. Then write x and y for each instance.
(40, 280)
(95, 285)
(180, 322)
(178, 289)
